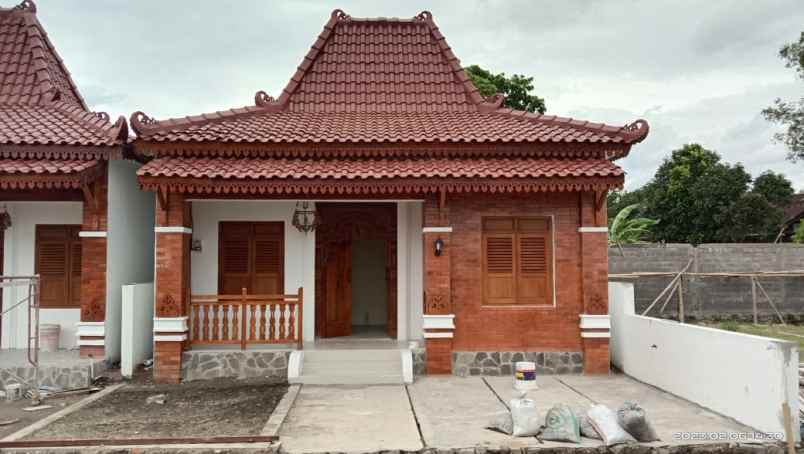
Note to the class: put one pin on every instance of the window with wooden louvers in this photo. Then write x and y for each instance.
(58, 263)
(517, 261)
(251, 256)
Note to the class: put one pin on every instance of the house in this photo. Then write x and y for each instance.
(72, 209)
(401, 203)
(793, 215)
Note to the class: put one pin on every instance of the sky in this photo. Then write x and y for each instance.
(698, 71)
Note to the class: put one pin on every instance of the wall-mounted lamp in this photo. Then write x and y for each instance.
(196, 245)
(439, 247)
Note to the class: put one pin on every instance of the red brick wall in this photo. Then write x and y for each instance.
(514, 328)
(596, 356)
(167, 362)
(439, 356)
(93, 262)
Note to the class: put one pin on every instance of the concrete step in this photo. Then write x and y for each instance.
(353, 379)
(350, 367)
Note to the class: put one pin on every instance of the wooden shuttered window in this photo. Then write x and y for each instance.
(517, 261)
(58, 263)
(251, 256)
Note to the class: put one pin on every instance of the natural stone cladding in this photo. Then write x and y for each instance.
(70, 377)
(502, 363)
(205, 365)
(419, 361)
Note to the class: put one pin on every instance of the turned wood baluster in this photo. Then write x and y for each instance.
(262, 322)
(225, 322)
(196, 322)
(272, 322)
(282, 321)
(243, 319)
(291, 322)
(235, 314)
(252, 323)
(205, 317)
(215, 322)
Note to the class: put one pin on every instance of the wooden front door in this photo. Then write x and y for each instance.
(339, 291)
(251, 256)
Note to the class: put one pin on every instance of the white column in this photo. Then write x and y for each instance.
(415, 272)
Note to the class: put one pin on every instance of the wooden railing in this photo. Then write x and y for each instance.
(246, 319)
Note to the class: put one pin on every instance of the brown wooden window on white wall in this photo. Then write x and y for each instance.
(58, 263)
(251, 255)
(517, 261)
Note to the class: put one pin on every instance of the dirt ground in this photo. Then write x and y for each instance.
(14, 410)
(202, 408)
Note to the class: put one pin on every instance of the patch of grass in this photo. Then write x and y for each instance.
(792, 333)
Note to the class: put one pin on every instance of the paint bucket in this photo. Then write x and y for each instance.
(525, 375)
(49, 337)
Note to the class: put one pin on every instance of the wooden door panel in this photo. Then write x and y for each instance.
(339, 292)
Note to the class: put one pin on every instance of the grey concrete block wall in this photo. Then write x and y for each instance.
(711, 297)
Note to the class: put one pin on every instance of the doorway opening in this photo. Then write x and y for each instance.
(356, 270)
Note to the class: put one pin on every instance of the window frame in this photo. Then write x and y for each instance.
(551, 266)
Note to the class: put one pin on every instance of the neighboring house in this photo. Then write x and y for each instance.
(438, 214)
(77, 216)
(793, 214)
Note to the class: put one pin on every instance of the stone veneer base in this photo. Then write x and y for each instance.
(496, 364)
(419, 361)
(69, 377)
(209, 364)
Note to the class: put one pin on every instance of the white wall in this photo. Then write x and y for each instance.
(299, 248)
(741, 376)
(130, 244)
(19, 260)
(369, 289)
(137, 337)
(410, 290)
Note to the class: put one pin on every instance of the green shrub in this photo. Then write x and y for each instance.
(730, 325)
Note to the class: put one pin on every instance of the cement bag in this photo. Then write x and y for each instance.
(631, 417)
(586, 427)
(604, 420)
(561, 425)
(525, 417)
(502, 422)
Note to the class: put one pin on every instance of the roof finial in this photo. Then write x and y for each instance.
(26, 5)
(424, 15)
(340, 15)
(263, 99)
(637, 130)
(139, 121)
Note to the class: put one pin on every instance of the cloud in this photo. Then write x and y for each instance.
(698, 71)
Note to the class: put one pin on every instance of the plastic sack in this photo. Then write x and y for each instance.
(586, 427)
(604, 420)
(561, 425)
(502, 422)
(525, 416)
(631, 417)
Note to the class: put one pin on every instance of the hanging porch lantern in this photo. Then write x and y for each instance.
(305, 219)
(5, 220)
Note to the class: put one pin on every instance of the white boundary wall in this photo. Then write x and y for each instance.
(738, 375)
(136, 337)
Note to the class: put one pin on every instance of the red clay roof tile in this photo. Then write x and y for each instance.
(363, 169)
(39, 103)
(380, 80)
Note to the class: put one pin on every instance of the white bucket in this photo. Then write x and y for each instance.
(49, 337)
(525, 375)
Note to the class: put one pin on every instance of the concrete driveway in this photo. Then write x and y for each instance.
(451, 412)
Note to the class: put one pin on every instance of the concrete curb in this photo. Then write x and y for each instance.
(239, 448)
(281, 411)
(25, 431)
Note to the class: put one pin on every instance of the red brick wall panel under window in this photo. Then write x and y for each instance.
(517, 261)
(485, 327)
(58, 262)
(251, 256)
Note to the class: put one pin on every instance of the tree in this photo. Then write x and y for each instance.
(790, 114)
(626, 230)
(616, 201)
(798, 234)
(691, 195)
(517, 88)
(775, 187)
(751, 218)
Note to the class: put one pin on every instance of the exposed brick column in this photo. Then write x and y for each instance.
(438, 314)
(91, 330)
(172, 285)
(594, 321)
